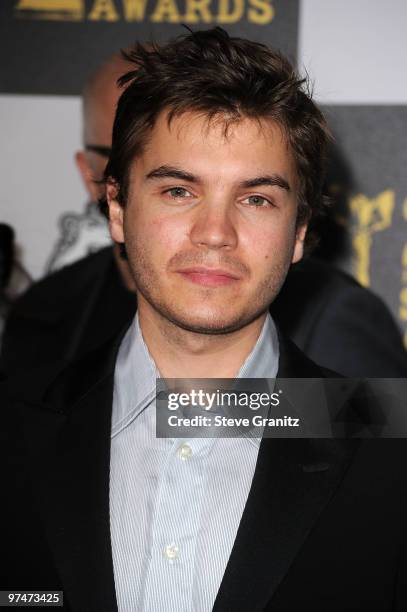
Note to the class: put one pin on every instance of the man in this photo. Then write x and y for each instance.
(64, 315)
(215, 171)
(79, 307)
(99, 100)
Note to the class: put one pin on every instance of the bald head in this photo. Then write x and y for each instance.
(100, 96)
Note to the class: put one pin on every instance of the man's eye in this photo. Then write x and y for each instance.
(178, 192)
(256, 200)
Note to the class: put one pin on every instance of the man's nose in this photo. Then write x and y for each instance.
(214, 226)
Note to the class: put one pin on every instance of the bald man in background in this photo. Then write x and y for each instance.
(81, 306)
(77, 307)
(99, 100)
(86, 231)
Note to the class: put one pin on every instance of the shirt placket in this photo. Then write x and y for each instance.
(175, 530)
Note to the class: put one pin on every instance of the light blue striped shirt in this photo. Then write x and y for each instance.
(175, 504)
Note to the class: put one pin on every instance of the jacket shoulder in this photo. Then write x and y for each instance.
(68, 281)
(339, 323)
(294, 363)
(62, 383)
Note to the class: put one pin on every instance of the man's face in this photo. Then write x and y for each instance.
(100, 108)
(210, 221)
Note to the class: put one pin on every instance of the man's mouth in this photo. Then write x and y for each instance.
(209, 277)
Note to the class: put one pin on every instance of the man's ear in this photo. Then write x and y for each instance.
(87, 175)
(115, 213)
(299, 243)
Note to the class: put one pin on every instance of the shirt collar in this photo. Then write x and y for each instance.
(134, 378)
(136, 373)
(263, 359)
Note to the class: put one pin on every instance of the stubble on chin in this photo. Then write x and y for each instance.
(172, 317)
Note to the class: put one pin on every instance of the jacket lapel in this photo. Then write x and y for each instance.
(68, 438)
(293, 482)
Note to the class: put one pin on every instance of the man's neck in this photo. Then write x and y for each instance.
(184, 354)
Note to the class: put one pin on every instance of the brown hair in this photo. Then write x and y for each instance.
(212, 73)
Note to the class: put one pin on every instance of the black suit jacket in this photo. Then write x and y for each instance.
(323, 527)
(335, 321)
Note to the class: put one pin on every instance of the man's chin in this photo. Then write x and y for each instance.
(210, 324)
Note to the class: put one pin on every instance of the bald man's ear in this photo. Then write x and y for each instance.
(115, 213)
(87, 175)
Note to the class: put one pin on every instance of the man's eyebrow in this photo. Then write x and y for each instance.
(273, 180)
(172, 172)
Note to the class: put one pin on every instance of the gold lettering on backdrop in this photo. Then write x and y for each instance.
(230, 11)
(404, 265)
(372, 215)
(197, 11)
(166, 10)
(134, 10)
(259, 12)
(403, 300)
(403, 292)
(53, 10)
(103, 10)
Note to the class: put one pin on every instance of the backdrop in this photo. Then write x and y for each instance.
(354, 52)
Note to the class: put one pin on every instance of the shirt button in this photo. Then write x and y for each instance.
(184, 452)
(171, 551)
